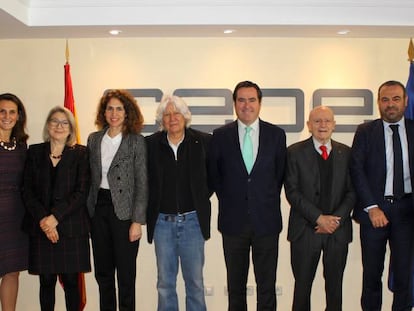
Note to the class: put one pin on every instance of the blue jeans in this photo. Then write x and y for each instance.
(178, 238)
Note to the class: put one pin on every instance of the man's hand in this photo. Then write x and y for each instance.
(327, 224)
(377, 217)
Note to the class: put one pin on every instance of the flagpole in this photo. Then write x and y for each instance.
(67, 52)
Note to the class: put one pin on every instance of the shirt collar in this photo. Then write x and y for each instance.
(317, 144)
(401, 123)
(254, 125)
(114, 140)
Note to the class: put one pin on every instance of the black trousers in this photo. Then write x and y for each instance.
(70, 286)
(113, 252)
(399, 235)
(237, 257)
(305, 255)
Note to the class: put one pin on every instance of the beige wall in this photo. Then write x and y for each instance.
(33, 70)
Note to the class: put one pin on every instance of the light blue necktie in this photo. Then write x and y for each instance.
(247, 151)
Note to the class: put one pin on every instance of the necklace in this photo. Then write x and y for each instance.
(9, 146)
(56, 157)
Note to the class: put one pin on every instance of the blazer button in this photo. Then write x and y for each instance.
(119, 178)
(120, 190)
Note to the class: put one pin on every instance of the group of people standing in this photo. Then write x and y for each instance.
(59, 193)
(48, 189)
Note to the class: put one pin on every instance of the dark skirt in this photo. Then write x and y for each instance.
(68, 255)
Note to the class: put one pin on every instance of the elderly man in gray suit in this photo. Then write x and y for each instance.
(319, 190)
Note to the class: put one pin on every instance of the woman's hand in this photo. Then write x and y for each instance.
(135, 232)
(53, 236)
(48, 223)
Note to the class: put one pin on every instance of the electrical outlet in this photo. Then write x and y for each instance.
(279, 290)
(250, 290)
(208, 290)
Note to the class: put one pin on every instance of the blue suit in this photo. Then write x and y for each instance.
(249, 208)
(368, 173)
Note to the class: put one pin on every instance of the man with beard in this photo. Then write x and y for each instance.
(382, 172)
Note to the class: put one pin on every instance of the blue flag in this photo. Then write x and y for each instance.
(409, 111)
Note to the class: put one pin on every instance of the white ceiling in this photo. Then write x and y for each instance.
(206, 18)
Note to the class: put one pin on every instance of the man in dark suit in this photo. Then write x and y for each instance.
(382, 166)
(246, 168)
(319, 189)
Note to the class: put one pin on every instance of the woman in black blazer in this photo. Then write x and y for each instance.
(56, 183)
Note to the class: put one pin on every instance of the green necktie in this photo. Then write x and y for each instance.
(247, 151)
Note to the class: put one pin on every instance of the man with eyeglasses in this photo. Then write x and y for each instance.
(319, 189)
(382, 172)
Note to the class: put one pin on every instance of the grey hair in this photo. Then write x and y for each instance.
(73, 131)
(179, 105)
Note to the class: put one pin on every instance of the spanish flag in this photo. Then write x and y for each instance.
(70, 104)
(69, 99)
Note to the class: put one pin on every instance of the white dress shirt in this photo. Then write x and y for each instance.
(389, 154)
(317, 144)
(109, 147)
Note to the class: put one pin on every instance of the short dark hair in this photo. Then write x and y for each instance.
(392, 83)
(134, 121)
(247, 84)
(19, 129)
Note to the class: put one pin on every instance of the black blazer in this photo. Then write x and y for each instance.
(247, 197)
(198, 147)
(368, 168)
(65, 199)
(302, 188)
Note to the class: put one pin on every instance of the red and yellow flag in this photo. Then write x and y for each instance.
(70, 104)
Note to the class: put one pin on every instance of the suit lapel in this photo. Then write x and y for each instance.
(261, 147)
(409, 128)
(234, 144)
(311, 160)
(45, 162)
(96, 145)
(380, 147)
(337, 155)
(122, 151)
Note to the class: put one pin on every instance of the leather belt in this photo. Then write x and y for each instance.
(391, 199)
(176, 217)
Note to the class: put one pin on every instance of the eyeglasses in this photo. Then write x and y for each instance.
(56, 123)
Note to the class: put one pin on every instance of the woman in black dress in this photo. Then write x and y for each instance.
(13, 241)
(56, 181)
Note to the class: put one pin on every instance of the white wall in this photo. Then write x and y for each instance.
(33, 70)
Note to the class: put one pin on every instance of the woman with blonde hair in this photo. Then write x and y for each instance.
(56, 183)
